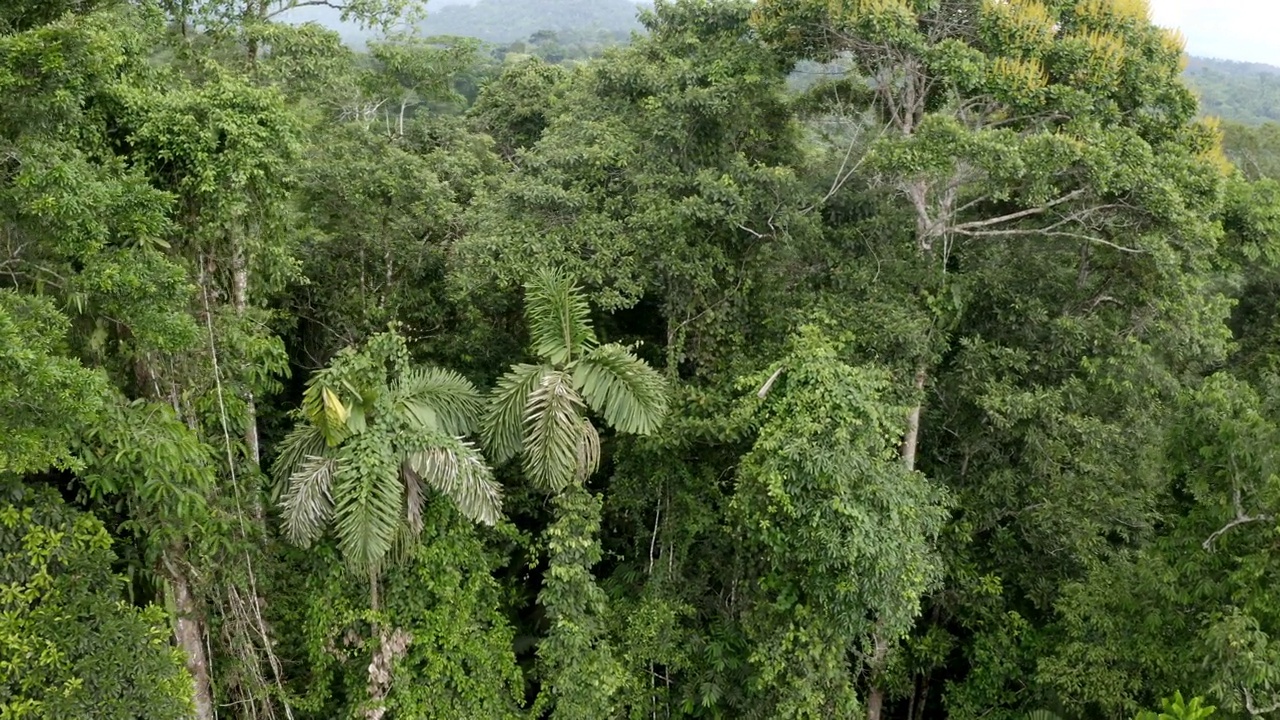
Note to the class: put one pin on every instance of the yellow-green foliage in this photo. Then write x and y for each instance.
(1017, 26)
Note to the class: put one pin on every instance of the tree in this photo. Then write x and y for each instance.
(72, 647)
(992, 131)
(539, 413)
(844, 533)
(376, 435)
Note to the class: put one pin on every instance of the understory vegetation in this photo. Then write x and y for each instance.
(409, 383)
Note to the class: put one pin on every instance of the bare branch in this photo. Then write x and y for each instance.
(1050, 233)
(1241, 518)
(1039, 209)
(1254, 710)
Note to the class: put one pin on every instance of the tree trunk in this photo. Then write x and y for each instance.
(912, 437)
(240, 301)
(875, 698)
(910, 441)
(189, 633)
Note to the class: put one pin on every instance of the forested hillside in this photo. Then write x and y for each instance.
(1240, 92)
(505, 21)
(416, 382)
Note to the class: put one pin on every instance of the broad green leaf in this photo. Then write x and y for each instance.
(553, 436)
(503, 431)
(559, 318)
(630, 394)
(438, 399)
(308, 503)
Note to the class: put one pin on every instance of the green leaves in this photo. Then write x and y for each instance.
(376, 431)
(456, 469)
(553, 435)
(539, 410)
(70, 647)
(504, 422)
(308, 503)
(438, 398)
(630, 394)
(368, 500)
(558, 317)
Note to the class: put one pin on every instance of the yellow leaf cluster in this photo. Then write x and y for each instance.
(1106, 54)
(1175, 43)
(1214, 153)
(1103, 10)
(1022, 75)
(854, 9)
(1029, 21)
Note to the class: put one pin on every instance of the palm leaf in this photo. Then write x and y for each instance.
(303, 441)
(308, 502)
(559, 318)
(439, 399)
(503, 430)
(368, 497)
(553, 421)
(322, 405)
(588, 451)
(456, 469)
(631, 395)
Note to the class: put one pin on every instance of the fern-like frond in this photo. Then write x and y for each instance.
(553, 421)
(503, 428)
(559, 317)
(456, 469)
(438, 399)
(588, 451)
(308, 502)
(631, 395)
(302, 442)
(368, 498)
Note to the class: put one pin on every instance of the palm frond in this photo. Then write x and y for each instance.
(303, 441)
(631, 395)
(439, 399)
(456, 469)
(324, 408)
(553, 420)
(414, 498)
(308, 502)
(588, 451)
(403, 543)
(558, 316)
(368, 497)
(503, 428)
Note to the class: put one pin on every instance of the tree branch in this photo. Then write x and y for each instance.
(976, 224)
(1241, 518)
(1254, 710)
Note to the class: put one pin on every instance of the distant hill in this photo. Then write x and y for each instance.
(506, 21)
(1241, 92)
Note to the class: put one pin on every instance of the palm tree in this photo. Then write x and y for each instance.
(375, 435)
(539, 411)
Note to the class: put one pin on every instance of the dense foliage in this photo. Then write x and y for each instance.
(423, 382)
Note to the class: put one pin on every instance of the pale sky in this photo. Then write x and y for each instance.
(1228, 29)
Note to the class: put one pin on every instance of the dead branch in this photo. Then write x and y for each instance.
(1241, 518)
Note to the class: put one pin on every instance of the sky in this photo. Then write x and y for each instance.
(1228, 29)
